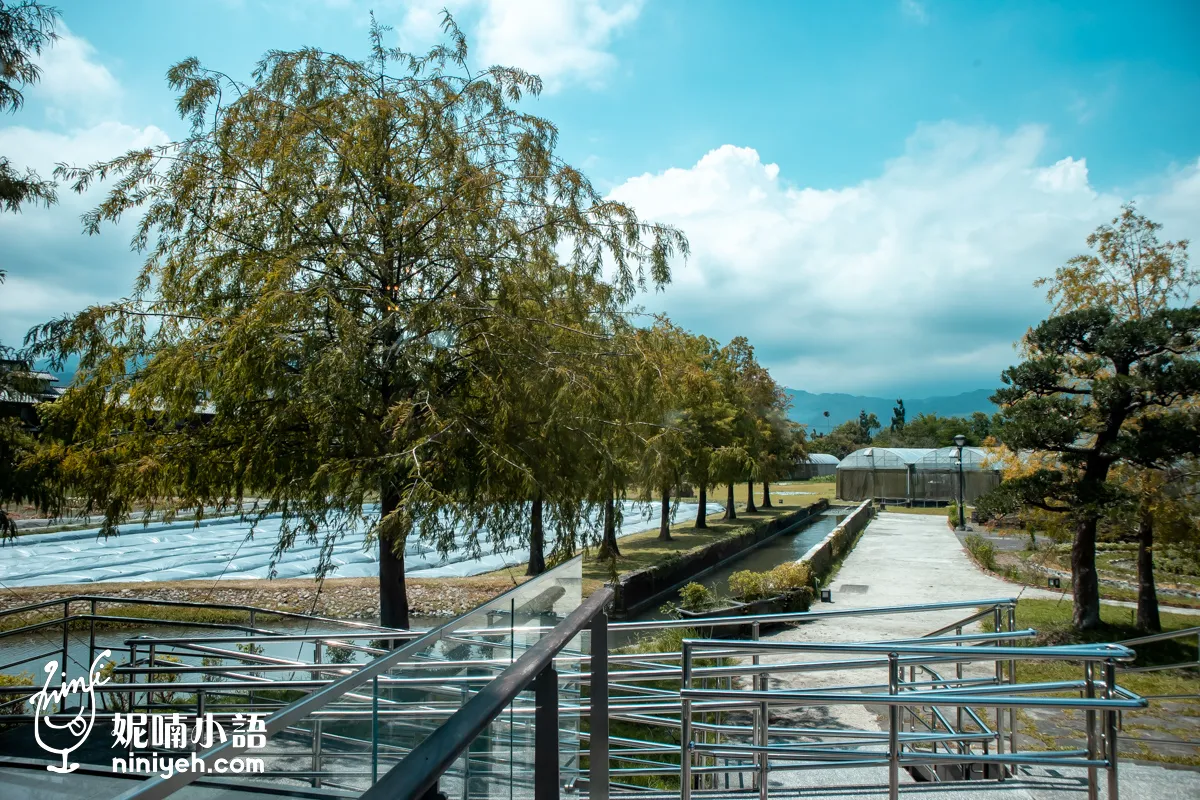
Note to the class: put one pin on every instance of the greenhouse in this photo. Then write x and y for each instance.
(814, 466)
(915, 475)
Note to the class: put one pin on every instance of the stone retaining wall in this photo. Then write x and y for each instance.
(824, 554)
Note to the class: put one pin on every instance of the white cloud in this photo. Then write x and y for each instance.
(53, 268)
(562, 42)
(920, 275)
(914, 10)
(73, 82)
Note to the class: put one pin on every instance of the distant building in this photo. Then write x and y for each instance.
(23, 389)
(916, 475)
(816, 465)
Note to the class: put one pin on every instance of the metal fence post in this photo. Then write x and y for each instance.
(92, 636)
(762, 721)
(62, 706)
(685, 725)
(545, 735)
(998, 627)
(316, 752)
(150, 665)
(893, 728)
(958, 670)
(1012, 679)
(375, 733)
(1110, 726)
(132, 679)
(1089, 688)
(598, 720)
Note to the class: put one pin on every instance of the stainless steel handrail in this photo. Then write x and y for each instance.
(420, 770)
(159, 787)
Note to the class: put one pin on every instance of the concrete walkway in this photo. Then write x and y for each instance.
(907, 559)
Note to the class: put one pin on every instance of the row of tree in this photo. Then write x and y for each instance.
(373, 293)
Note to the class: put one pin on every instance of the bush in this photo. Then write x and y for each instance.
(20, 679)
(790, 577)
(695, 597)
(982, 551)
(748, 585)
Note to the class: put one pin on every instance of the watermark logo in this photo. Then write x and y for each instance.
(142, 735)
(79, 726)
(150, 732)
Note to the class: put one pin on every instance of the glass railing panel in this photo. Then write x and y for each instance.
(356, 738)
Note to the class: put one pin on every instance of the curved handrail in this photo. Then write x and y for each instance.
(420, 770)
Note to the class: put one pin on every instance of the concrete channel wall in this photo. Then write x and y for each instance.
(646, 587)
(824, 554)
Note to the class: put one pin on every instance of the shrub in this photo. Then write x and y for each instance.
(748, 585)
(695, 597)
(982, 551)
(790, 577)
(20, 679)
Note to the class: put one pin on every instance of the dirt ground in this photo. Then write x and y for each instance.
(341, 598)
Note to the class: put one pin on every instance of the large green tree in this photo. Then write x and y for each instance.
(1096, 390)
(336, 262)
(1130, 272)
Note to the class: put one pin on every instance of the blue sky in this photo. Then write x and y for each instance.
(870, 187)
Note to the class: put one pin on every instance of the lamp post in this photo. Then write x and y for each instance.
(959, 441)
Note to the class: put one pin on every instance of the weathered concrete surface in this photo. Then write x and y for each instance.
(1138, 782)
(905, 559)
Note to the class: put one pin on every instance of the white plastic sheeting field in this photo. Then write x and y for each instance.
(222, 549)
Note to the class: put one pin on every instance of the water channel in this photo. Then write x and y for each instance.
(781, 549)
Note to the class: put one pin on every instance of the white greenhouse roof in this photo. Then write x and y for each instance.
(883, 457)
(819, 458)
(919, 458)
(975, 459)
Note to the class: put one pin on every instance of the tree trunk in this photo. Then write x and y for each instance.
(750, 507)
(664, 522)
(1147, 604)
(766, 503)
(730, 511)
(702, 512)
(1083, 574)
(393, 594)
(537, 539)
(608, 542)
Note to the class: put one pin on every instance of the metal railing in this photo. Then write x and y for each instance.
(899, 697)
(67, 621)
(338, 727)
(418, 773)
(1165, 637)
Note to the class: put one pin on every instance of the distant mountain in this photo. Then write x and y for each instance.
(809, 408)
